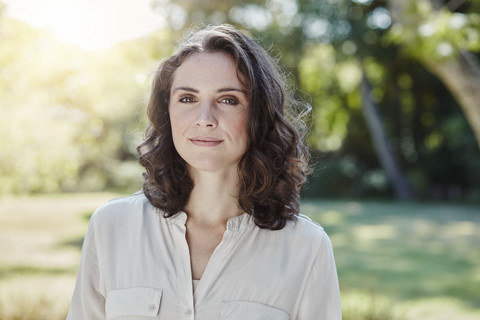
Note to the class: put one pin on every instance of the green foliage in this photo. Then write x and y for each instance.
(425, 127)
(431, 34)
(332, 87)
(70, 119)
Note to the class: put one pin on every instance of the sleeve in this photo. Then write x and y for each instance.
(320, 299)
(88, 301)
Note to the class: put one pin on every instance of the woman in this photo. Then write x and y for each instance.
(216, 232)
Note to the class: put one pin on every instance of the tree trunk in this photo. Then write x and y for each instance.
(462, 78)
(379, 138)
(461, 75)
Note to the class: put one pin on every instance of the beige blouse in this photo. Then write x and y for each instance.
(135, 265)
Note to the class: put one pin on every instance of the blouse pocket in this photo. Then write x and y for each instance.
(241, 310)
(133, 302)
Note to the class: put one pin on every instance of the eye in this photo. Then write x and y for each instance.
(187, 99)
(230, 101)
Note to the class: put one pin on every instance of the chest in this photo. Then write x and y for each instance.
(257, 270)
(201, 244)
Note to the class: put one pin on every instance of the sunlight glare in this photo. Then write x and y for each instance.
(89, 24)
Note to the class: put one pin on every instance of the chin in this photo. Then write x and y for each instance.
(212, 167)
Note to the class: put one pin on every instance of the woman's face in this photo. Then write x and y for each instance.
(209, 112)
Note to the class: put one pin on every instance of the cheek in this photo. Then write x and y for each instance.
(176, 126)
(240, 126)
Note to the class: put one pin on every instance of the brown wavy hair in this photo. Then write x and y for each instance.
(275, 165)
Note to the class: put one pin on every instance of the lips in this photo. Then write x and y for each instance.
(206, 141)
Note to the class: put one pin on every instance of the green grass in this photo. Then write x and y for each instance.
(401, 257)
(39, 253)
(396, 261)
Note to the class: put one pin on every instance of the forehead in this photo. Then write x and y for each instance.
(209, 68)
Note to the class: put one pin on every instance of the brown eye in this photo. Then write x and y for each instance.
(187, 99)
(230, 101)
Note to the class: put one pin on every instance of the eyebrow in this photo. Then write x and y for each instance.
(190, 89)
(232, 89)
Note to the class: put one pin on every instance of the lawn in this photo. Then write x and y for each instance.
(405, 260)
(400, 261)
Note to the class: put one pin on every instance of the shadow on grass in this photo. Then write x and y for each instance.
(7, 272)
(78, 241)
(75, 243)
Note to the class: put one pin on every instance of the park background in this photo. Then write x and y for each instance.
(394, 133)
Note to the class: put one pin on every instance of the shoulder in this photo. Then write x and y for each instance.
(302, 234)
(302, 241)
(122, 209)
(306, 229)
(310, 239)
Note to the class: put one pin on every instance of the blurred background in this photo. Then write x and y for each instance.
(394, 132)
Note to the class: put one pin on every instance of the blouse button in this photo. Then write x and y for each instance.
(188, 312)
(152, 307)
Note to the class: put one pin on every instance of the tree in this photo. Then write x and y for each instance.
(380, 142)
(441, 35)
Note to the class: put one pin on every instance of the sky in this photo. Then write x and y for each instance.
(89, 24)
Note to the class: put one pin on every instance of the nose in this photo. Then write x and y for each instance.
(206, 116)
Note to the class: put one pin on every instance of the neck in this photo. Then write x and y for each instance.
(213, 199)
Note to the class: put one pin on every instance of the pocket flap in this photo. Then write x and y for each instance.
(136, 301)
(241, 310)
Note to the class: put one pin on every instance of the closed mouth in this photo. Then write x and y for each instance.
(205, 141)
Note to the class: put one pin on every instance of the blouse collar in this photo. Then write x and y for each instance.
(233, 224)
